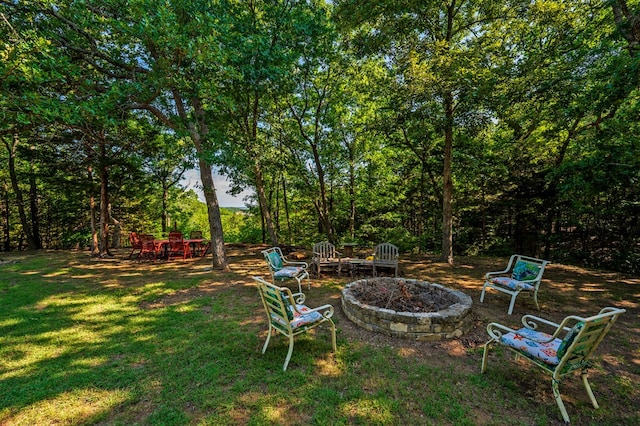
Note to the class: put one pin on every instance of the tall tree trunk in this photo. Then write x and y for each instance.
(12, 149)
(286, 211)
(117, 230)
(251, 129)
(33, 208)
(198, 130)
(323, 204)
(165, 202)
(628, 25)
(352, 192)
(447, 183)
(104, 203)
(206, 175)
(95, 249)
(215, 221)
(264, 207)
(7, 217)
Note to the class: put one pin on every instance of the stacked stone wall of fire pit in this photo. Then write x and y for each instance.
(448, 323)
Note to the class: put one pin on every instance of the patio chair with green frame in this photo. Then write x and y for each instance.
(567, 347)
(283, 270)
(287, 315)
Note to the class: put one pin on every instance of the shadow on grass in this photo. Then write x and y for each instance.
(121, 342)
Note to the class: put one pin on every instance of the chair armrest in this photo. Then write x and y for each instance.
(492, 274)
(532, 322)
(496, 330)
(305, 265)
(325, 310)
(298, 298)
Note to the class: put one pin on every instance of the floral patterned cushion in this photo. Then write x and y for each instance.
(302, 317)
(512, 284)
(525, 271)
(288, 272)
(520, 340)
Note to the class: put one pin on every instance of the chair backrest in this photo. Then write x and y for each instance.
(324, 250)
(583, 339)
(176, 240)
(277, 303)
(147, 241)
(175, 236)
(134, 239)
(195, 235)
(385, 251)
(274, 258)
(526, 268)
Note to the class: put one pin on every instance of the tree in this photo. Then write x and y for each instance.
(432, 49)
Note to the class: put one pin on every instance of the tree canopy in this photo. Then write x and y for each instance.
(457, 126)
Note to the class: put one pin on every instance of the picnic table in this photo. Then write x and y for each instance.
(198, 247)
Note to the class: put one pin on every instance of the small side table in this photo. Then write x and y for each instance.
(360, 265)
(348, 249)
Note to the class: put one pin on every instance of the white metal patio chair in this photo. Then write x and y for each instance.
(283, 270)
(523, 273)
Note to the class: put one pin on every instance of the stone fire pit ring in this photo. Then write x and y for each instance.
(448, 323)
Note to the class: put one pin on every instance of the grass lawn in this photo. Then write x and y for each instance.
(117, 342)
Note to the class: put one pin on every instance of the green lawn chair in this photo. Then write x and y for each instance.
(559, 352)
(287, 315)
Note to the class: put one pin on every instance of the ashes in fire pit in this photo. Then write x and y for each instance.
(403, 295)
(407, 308)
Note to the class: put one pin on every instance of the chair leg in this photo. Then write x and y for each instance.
(484, 287)
(513, 302)
(286, 361)
(587, 386)
(266, 343)
(535, 299)
(558, 398)
(333, 336)
(485, 356)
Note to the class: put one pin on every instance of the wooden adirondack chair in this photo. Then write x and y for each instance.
(177, 246)
(136, 244)
(287, 315)
(199, 248)
(560, 351)
(325, 255)
(149, 248)
(523, 273)
(385, 255)
(283, 270)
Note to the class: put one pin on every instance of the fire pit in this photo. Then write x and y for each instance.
(406, 308)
